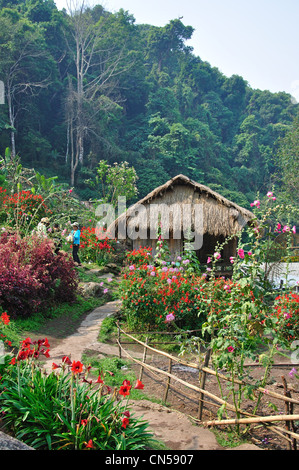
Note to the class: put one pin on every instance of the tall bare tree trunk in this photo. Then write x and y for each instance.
(11, 122)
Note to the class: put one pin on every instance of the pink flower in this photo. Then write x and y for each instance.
(278, 228)
(241, 253)
(209, 260)
(231, 259)
(170, 317)
(105, 291)
(293, 372)
(230, 349)
(70, 191)
(217, 255)
(294, 229)
(269, 194)
(286, 228)
(256, 203)
(249, 253)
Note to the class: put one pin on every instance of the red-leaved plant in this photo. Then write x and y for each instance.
(32, 275)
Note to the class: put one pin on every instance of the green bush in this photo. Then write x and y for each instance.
(66, 409)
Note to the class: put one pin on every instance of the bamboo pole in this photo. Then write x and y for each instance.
(286, 407)
(217, 399)
(289, 408)
(183, 382)
(168, 380)
(211, 371)
(118, 339)
(260, 419)
(202, 383)
(143, 359)
(259, 389)
(162, 353)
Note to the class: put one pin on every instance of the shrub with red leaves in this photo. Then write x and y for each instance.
(32, 276)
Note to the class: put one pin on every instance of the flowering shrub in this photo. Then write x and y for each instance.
(4, 322)
(66, 409)
(23, 207)
(157, 297)
(286, 308)
(32, 276)
(139, 257)
(94, 249)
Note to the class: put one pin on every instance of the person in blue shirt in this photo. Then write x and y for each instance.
(76, 242)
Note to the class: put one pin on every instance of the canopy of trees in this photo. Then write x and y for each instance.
(86, 85)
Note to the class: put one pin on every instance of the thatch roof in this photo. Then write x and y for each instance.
(221, 216)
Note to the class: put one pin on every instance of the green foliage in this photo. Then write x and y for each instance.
(148, 101)
(66, 410)
(114, 181)
(288, 161)
(108, 328)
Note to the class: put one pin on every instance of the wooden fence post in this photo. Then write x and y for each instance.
(143, 359)
(289, 409)
(118, 339)
(202, 383)
(168, 380)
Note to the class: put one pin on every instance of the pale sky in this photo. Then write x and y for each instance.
(256, 39)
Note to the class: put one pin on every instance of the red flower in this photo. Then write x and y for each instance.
(66, 360)
(22, 355)
(139, 385)
(125, 422)
(46, 343)
(87, 381)
(55, 366)
(77, 367)
(5, 318)
(89, 444)
(13, 361)
(26, 343)
(46, 353)
(124, 390)
(99, 380)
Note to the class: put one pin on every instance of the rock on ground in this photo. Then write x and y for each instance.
(9, 443)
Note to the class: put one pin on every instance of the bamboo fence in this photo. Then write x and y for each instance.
(289, 418)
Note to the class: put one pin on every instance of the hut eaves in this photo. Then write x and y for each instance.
(222, 227)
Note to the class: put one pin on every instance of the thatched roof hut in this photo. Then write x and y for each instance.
(183, 204)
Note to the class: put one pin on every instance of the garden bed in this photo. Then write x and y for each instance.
(186, 401)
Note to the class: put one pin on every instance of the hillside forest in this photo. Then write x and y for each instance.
(87, 85)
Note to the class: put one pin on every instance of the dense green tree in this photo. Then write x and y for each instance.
(288, 162)
(25, 65)
(87, 85)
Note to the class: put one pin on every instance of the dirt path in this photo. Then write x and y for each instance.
(169, 426)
